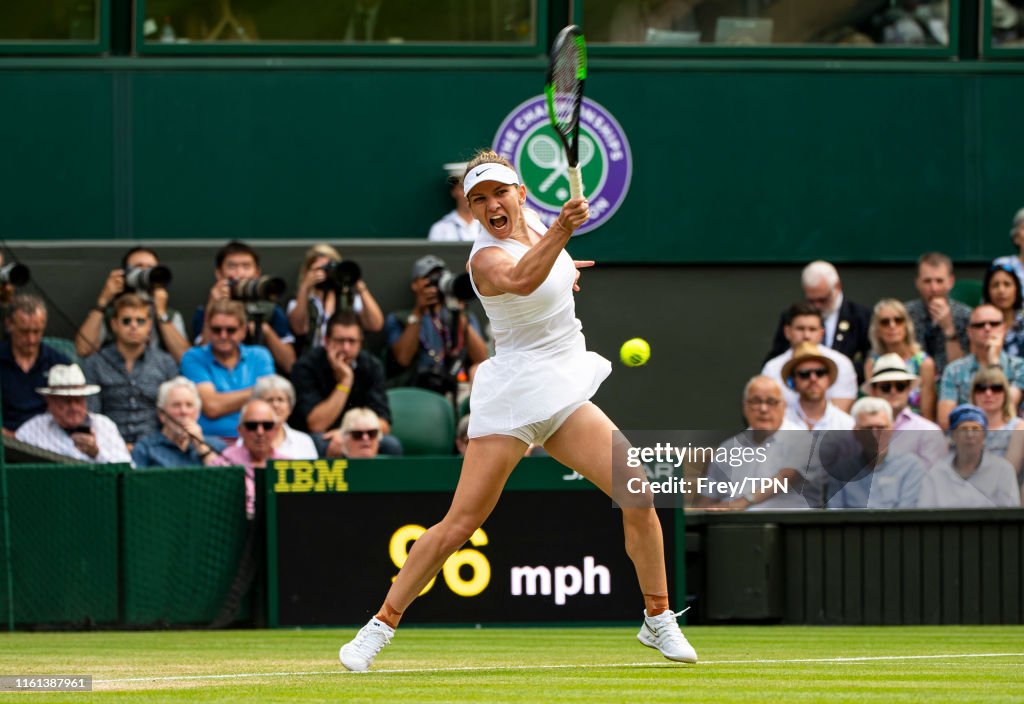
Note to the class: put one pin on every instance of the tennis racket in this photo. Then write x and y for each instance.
(564, 90)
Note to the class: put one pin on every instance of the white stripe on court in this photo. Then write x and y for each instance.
(504, 668)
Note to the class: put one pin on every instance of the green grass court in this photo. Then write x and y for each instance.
(739, 664)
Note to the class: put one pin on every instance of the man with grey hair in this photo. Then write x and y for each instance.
(780, 449)
(876, 476)
(846, 322)
(180, 441)
(25, 361)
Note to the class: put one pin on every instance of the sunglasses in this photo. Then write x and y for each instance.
(253, 425)
(360, 434)
(891, 322)
(887, 386)
(819, 372)
(986, 324)
(226, 330)
(994, 388)
(137, 321)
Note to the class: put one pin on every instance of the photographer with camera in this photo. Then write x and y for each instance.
(140, 273)
(328, 285)
(238, 277)
(438, 338)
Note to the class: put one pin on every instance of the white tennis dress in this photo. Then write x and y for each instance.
(541, 364)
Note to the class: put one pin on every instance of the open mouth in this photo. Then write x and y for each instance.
(498, 222)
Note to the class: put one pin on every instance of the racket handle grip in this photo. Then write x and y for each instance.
(575, 182)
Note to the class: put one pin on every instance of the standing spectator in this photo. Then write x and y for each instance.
(25, 361)
(1005, 435)
(1001, 288)
(280, 394)
(876, 477)
(1017, 240)
(811, 373)
(180, 441)
(940, 323)
(225, 370)
(892, 331)
(802, 323)
(257, 426)
(429, 343)
(845, 322)
(170, 326)
(892, 382)
(67, 427)
(985, 333)
(970, 477)
(237, 261)
(323, 296)
(459, 225)
(129, 372)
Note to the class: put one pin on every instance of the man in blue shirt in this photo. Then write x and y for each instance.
(225, 370)
(25, 361)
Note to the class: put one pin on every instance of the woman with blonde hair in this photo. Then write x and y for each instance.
(892, 332)
(317, 298)
(990, 393)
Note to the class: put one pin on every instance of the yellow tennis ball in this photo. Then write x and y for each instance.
(635, 352)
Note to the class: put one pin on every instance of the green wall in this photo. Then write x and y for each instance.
(743, 161)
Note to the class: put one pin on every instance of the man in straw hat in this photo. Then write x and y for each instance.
(67, 427)
(810, 373)
(891, 381)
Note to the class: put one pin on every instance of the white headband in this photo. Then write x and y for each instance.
(488, 172)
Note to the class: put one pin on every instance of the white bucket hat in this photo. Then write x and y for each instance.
(67, 380)
(888, 367)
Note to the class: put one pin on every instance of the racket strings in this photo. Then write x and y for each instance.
(565, 80)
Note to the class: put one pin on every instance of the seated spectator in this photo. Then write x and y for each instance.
(1005, 436)
(237, 261)
(324, 296)
(459, 225)
(67, 427)
(1017, 240)
(810, 373)
(280, 394)
(180, 441)
(940, 323)
(970, 477)
(360, 434)
(339, 376)
(257, 426)
(428, 347)
(892, 331)
(25, 361)
(892, 382)
(1001, 288)
(877, 476)
(802, 323)
(225, 370)
(986, 349)
(787, 454)
(845, 322)
(130, 371)
(170, 326)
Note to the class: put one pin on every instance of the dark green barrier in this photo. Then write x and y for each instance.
(184, 530)
(64, 544)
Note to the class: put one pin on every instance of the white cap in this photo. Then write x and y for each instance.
(455, 169)
(489, 172)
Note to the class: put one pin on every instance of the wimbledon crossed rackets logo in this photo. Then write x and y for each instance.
(527, 139)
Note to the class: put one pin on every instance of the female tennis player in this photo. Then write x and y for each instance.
(536, 389)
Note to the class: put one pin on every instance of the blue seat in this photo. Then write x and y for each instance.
(422, 420)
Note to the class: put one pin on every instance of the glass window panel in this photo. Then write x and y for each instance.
(346, 22)
(49, 20)
(1007, 23)
(745, 23)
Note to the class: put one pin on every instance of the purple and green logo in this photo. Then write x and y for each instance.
(527, 139)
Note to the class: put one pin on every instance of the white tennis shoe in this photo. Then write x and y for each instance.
(662, 633)
(357, 655)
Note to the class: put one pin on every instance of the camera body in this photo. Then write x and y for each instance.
(145, 280)
(341, 275)
(455, 288)
(264, 288)
(14, 274)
